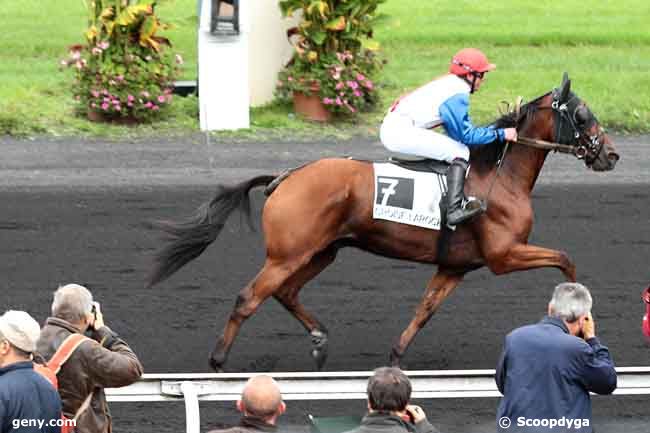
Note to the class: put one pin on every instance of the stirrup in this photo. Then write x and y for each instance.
(470, 203)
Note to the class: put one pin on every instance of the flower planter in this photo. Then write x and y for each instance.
(98, 116)
(311, 106)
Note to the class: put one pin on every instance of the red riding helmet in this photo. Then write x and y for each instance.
(469, 60)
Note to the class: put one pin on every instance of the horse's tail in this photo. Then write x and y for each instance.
(191, 237)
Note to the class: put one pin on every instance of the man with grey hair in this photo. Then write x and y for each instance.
(389, 410)
(102, 361)
(28, 402)
(261, 405)
(548, 369)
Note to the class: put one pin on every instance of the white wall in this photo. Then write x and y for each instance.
(269, 49)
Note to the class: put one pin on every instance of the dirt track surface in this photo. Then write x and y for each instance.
(75, 211)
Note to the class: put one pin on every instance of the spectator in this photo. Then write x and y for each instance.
(547, 370)
(101, 362)
(261, 405)
(389, 411)
(25, 395)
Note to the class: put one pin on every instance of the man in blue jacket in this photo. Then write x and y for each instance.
(28, 402)
(408, 126)
(547, 370)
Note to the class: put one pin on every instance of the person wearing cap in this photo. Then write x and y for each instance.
(548, 369)
(408, 127)
(103, 361)
(261, 405)
(25, 395)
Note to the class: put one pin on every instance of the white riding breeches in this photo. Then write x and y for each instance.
(399, 134)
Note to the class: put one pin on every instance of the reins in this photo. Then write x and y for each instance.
(548, 145)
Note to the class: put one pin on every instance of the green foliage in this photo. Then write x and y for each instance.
(330, 26)
(334, 54)
(124, 68)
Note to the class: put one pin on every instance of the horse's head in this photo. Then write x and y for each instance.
(576, 126)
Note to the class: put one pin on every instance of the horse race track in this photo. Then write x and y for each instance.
(76, 212)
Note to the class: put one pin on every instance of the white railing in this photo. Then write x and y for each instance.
(193, 388)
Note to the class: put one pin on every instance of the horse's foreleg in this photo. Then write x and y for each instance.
(440, 286)
(288, 297)
(523, 256)
(265, 284)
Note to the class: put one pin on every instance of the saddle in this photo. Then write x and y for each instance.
(421, 164)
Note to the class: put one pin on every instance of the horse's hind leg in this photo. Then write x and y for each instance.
(288, 297)
(272, 276)
(440, 286)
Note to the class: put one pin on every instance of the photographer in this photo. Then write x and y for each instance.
(389, 392)
(99, 362)
(547, 369)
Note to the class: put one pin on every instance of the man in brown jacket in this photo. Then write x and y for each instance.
(260, 404)
(105, 361)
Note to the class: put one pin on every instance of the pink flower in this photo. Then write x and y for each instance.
(105, 106)
(103, 45)
(95, 93)
(75, 55)
(357, 93)
(155, 108)
(116, 102)
(340, 85)
(360, 77)
(118, 108)
(96, 51)
(353, 85)
(130, 98)
(119, 78)
(106, 99)
(328, 101)
(104, 92)
(145, 93)
(93, 105)
(148, 104)
(161, 99)
(368, 84)
(339, 102)
(129, 104)
(290, 78)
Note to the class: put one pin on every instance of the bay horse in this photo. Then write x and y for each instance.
(326, 205)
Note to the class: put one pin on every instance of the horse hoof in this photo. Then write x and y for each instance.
(320, 356)
(216, 366)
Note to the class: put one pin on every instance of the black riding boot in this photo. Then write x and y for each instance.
(459, 209)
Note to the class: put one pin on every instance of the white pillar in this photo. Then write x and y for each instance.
(224, 93)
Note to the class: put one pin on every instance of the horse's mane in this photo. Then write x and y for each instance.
(488, 155)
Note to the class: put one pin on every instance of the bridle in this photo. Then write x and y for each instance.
(568, 136)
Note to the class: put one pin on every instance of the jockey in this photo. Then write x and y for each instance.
(408, 126)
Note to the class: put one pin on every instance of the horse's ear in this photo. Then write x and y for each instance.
(565, 88)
